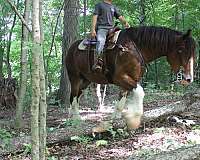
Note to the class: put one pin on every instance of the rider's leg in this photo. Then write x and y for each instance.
(101, 39)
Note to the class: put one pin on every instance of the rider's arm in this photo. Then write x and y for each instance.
(94, 22)
(123, 21)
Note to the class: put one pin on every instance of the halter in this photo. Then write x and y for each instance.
(179, 75)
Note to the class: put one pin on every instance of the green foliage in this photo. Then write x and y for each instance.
(81, 139)
(71, 122)
(101, 143)
(180, 15)
(51, 129)
(119, 133)
(5, 137)
(196, 127)
(52, 158)
(28, 148)
(112, 131)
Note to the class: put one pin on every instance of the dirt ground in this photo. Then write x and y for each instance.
(150, 138)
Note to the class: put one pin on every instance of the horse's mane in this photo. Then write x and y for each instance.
(157, 39)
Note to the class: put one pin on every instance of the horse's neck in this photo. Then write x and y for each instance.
(150, 56)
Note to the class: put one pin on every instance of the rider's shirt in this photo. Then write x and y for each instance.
(105, 13)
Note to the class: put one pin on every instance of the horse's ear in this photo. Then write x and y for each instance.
(187, 34)
(181, 38)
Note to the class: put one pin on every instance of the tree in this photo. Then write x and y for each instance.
(24, 61)
(43, 103)
(36, 52)
(70, 34)
(38, 105)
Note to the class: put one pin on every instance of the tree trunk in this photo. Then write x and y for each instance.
(1, 59)
(142, 17)
(36, 53)
(9, 70)
(70, 34)
(43, 104)
(198, 65)
(2, 43)
(24, 61)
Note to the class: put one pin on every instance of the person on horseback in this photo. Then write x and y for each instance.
(102, 22)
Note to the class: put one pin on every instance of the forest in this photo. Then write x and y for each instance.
(43, 116)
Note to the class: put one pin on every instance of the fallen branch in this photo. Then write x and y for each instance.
(18, 144)
(173, 108)
(189, 153)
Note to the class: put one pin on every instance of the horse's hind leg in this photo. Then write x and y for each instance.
(120, 105)
(74, 97)
(77, 85)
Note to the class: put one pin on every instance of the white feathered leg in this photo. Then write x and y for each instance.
(135, 108)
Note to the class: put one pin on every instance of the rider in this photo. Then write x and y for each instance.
(102, 22)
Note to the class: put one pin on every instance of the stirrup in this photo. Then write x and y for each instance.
(98, 66)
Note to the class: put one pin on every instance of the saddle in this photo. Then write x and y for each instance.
(111, 39)
(89, 45)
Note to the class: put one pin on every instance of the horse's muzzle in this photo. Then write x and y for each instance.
(187, 78)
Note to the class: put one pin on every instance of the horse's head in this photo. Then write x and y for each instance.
(182, 56)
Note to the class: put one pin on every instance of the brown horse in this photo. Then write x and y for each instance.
(125, 63)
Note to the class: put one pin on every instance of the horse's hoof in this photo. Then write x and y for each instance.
(133, 122)
(103, 127)
(98, 129)
(75, 117)
(97, 70)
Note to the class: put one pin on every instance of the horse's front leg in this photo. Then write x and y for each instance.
(135, 100)
(135, 108)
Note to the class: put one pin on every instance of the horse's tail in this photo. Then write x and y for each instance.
(70, 54)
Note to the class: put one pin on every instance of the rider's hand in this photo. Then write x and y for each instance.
(126, 25)
(93, 33)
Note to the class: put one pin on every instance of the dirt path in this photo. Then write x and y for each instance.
(116, 144)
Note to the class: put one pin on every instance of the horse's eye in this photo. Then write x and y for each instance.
(180, 51)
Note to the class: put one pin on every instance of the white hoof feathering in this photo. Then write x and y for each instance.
(74, 109)
(135, 108)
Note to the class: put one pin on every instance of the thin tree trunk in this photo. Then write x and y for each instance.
(55, 30)
(36, 53)
(156, 61)
(1, 59)
(198, 66)
(48, 76)
(43, 104)
(24, 61)
(9, 70)
(176, 18)
(142, 12)
(19, 15)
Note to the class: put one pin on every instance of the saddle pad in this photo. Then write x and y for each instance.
(85, 43)
(81, 46)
